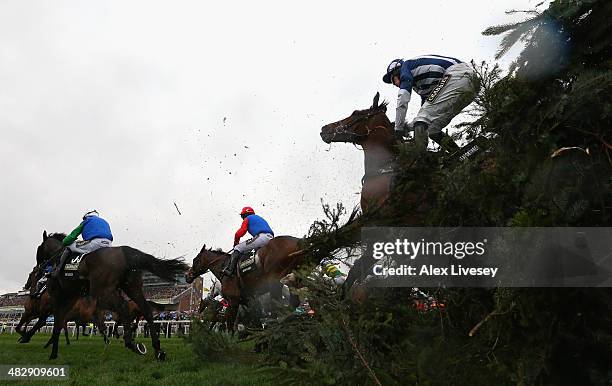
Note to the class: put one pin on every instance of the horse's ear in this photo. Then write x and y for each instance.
(203, 248)
(45, 235)
(376, 98)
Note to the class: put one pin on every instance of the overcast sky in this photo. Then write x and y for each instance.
(129, 106)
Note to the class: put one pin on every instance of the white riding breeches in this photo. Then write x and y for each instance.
(86, 246)
(256, 242)
(457, 89)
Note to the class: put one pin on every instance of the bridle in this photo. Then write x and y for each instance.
(211, 262)
(345, 128)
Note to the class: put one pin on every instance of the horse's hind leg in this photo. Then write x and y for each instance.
(98, 319)
(114, 301)
(66, 333)
(135, 293)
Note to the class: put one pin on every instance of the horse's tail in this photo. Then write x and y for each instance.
(165, 269)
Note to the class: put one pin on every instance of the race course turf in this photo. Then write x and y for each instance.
(90, 364)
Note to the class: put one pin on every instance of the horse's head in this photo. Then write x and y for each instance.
(362, 125)
(50, 246)
(203, 262)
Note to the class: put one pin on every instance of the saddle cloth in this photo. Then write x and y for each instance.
(72, 265)
(248, 263)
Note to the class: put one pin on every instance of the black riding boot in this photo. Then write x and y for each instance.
(39, 287)
(229, 269)
(445, 141)
(58, 267)
(420, 136)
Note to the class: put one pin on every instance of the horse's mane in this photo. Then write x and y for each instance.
(58, 236)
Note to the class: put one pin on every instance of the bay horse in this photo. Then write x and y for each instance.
(107, 272)
(40, 308)
(277, 259)
(372, 130)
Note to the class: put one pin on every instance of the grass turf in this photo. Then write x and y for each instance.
(91, 364)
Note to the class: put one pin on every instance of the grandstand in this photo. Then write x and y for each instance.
(179, 296)
(11, 305)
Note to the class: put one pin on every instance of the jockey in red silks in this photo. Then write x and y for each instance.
(261, 234)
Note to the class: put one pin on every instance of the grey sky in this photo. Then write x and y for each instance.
(127, 107)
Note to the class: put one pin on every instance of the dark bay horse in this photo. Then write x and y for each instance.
(40, 308)
(372, 130)
(277, 259)
(107, 272)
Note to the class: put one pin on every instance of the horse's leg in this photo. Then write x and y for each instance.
(99, 321)
(66, 332)
(42, 319)
(23, 321)
(135, 293)
(112, 300)
(231, 313)
(58, 323)
(276, 296)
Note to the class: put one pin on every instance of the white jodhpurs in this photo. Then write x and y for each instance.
(457, 89)
(86, 246)
(256, 242)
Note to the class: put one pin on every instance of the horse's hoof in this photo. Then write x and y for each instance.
(140, 348)
(160, 355)
(53, 356)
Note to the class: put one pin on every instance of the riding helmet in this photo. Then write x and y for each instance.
(247, 210)
(91, 213)
(394, 66)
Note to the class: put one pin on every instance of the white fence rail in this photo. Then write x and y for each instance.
(167, 328)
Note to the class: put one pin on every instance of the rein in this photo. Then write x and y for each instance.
(213, 261)
(344, 129)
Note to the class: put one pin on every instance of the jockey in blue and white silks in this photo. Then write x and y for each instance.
(446, 86)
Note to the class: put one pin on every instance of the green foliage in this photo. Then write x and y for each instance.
(549, 125)
(207, 345)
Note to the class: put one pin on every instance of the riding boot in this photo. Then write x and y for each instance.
(40, 287)
(59, 266)
(420, 136)
(445, 141)
(229, 269)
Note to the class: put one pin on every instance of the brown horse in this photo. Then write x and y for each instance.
(277, 259)
(107, 272)
(372, 130)
(34, 308)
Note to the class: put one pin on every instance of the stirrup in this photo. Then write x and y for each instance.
(227, 273)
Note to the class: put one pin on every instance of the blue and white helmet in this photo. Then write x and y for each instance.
(91, 213)
(394, 65)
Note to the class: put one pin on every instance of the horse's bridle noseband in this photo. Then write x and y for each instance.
(344, 129)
